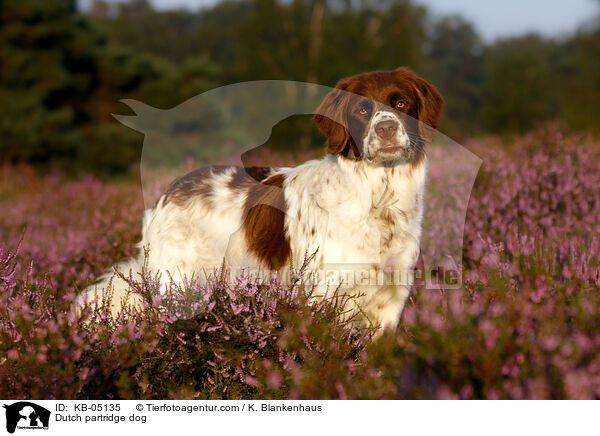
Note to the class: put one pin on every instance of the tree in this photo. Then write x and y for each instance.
(62, 78)
(520, 88)
(43, 74)
(456, 68)
(579, 95)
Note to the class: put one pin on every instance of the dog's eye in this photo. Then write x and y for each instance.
(400, 104)
(363, 110)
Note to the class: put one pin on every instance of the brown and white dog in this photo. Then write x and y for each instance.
(359, 208)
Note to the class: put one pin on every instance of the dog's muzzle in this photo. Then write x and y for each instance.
(387, 138)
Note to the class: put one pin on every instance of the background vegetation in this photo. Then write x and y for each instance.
(64, 71)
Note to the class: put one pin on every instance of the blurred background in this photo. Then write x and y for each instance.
(503, 69)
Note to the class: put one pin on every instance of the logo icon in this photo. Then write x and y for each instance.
(26, 415)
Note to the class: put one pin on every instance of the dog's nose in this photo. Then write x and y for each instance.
(386, 129)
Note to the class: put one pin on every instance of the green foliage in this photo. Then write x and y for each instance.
(456, 68)
(42, 79)
(64, 72)
(580, 94)
(61, 79)
(520, 84)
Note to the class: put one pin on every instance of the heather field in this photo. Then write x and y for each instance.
(525, 324)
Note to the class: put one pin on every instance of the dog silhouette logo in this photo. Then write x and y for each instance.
(233, 124)
(26, 415)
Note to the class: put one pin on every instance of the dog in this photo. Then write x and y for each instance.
(355, 214)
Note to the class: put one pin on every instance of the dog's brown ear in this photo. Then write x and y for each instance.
(330, 118)
(431, 103)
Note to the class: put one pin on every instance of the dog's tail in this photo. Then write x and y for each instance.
(112, 289)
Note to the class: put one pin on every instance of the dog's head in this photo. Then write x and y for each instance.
(382, 116)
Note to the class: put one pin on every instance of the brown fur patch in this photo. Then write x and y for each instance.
(194, 183)
(198, 182)
(264, 213)
(329, 118)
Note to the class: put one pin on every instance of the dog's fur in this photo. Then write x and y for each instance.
(359, 208)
